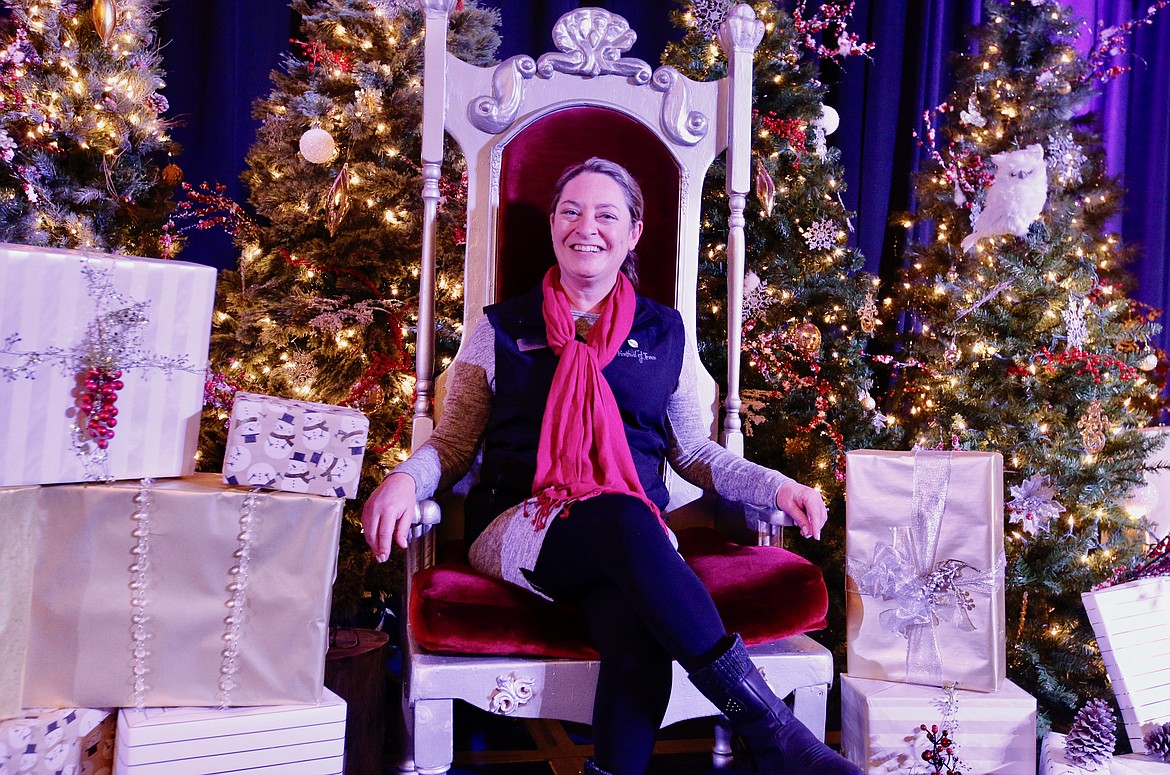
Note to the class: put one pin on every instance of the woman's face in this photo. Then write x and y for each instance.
(592, 231)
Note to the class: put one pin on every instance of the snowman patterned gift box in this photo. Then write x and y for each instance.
(295, 446)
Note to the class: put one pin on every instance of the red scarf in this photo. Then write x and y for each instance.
(583, 448)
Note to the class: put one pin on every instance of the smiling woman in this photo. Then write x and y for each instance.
(596, 221)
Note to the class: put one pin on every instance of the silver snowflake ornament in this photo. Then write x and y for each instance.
(1034, 504)
(709, 15)
(756, 298)
(821, 235)
(1065, 159)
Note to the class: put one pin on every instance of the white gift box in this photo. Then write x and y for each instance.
(881, 720)
(189, 592)
(925, 559)
(293, 739)
(297, 446)
(17, 532)
(152, 318)
(1053, 761)
(1132, 625)
(57, 740)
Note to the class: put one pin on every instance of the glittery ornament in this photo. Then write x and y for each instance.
(337, 205)
(1094, 424)
(808, 337)
(951, 354)
(867, 401)
(172, 174)
(971, 115)
(367, 399)
(765, 188)
(1065, 159)
(756, 298)
(105, 19)
(1074, 321)
(318, 146)
(1034, 505)
(868, 314)
(709, 16)
(821, 235)
(1148, 362)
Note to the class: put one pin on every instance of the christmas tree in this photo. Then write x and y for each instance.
(808, 309)
(1018, 336)
(320, 307)
(83, 143)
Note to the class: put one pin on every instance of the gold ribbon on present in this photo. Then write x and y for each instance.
(925, 592)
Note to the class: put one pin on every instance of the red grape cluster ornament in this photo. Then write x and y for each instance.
(96, 400)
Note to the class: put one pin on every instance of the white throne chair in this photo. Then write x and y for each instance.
(518, 125)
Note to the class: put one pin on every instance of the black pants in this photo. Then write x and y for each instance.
(644, 606)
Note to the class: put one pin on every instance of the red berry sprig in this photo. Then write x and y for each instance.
(96, 401)
(941, 755)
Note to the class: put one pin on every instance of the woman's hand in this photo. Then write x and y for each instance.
(388, 513)
(806, 507)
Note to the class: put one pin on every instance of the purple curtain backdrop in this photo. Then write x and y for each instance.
(218, 54)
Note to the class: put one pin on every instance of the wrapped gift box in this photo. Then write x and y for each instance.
(16, 560)
(881, 720)
(58, 740)
(297, 446)
(925, 559)
(62, 309)
(1053, 761)
(294, 739)
(1132, 625)
(189, 592)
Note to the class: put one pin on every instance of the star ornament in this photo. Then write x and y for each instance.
(1034, 505)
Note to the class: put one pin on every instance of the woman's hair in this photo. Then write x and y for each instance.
(633, 193)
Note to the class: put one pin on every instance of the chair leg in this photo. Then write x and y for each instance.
(433, 742)
(405, 731)
(722, 754)
(810, 706)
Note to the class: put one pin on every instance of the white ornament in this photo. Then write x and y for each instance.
(756, 298)
(867, 401)
(1148, 362)
(709, 16)
(971, 115)
(821, 235)
(318, 146)
(1141, 501)
(830, 119)
(1074, 321)
(1065, 159)
(1016, 196)
(1033, 504)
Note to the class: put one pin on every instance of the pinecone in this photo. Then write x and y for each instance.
(1092, 737)
(1157, 742)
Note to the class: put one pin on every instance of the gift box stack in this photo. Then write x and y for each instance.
(130, 581)
(925, 616)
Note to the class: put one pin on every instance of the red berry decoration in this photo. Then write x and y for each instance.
(96, 401)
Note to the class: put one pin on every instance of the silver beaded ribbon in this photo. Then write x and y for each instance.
(141, 632)
(236, 603)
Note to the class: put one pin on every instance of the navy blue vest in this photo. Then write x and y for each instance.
(642, 376)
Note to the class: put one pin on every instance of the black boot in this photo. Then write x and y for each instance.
(591, 768)
(779, 743)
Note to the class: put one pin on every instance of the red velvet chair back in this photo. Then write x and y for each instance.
(532, 161)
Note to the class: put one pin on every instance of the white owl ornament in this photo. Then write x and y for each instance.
(1016, 196)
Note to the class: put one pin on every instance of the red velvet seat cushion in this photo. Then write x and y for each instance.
(763, 593)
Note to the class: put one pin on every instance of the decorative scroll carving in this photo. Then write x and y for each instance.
(494, 113)
(684, 126)
(511, 694)
(741, 30)
(591, 42)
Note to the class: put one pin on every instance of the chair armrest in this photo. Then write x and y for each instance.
(774, 517)
(426, 513)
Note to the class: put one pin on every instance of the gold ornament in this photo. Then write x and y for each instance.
(172, 174)
(869, 315)
(1127, 346)
(337, 205)
(1064, 87)
(765, 188)
(867, 402)
(369, 400)
(105, 18)
(1148, 362)
(796, 446)
(808, 337)
(1094, 424)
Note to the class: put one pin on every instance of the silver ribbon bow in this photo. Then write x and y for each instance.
(925, 593)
